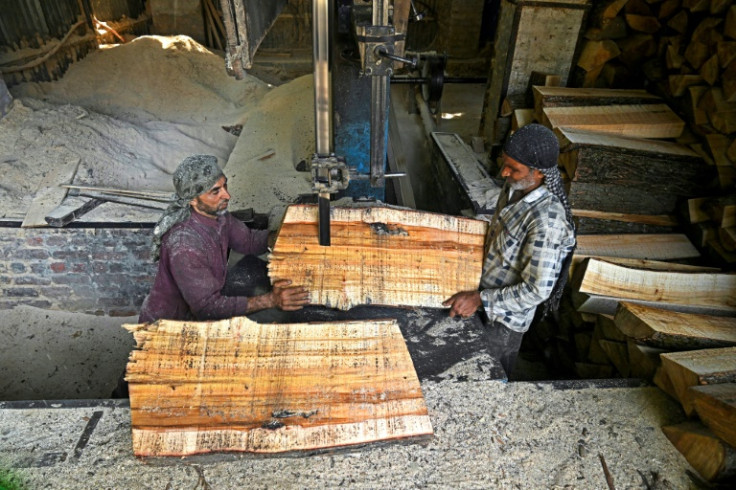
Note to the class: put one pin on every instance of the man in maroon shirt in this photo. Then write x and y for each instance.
(191, 242)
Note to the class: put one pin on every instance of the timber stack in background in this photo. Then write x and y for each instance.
(684, 50)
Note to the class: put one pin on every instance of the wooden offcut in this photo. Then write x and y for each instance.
(666, 246)
(379, 255)
(699, 367)
(674, 330)
(598, 286)
(716, 407)
(238, 386)
(713, 459)
(643, 121)
(575, 97)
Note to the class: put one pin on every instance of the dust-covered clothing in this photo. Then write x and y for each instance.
(193, 267)
(527, 245)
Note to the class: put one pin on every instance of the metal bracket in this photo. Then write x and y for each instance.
(329, 174)
(374, 40)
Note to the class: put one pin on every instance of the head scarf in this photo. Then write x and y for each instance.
(536, 146)
(193, 177)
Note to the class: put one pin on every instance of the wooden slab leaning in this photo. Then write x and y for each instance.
(238, 386)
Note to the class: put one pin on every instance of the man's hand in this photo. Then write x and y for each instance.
(289, 298)
(464, 304)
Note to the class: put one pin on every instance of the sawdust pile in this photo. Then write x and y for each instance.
(132, 112)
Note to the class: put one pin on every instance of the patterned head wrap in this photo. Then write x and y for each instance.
(193, 177)
(536, 146)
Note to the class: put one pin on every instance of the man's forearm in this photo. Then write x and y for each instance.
(262, 302)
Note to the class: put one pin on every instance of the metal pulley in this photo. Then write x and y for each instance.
(433, 72)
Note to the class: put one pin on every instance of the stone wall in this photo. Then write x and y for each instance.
(100, 271)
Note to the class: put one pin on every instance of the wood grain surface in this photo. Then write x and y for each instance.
(236, 385)
(379, 255)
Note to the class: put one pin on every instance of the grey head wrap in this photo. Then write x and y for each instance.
(536, 146)
(194, 176)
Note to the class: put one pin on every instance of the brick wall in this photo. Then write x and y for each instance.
(101, 271)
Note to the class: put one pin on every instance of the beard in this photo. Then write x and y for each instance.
(213, 211)
(522, 184)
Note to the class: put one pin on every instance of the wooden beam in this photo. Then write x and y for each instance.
(643, 121)
(648, 219)
(716, 407)
(270, 388)
(713, 459)
(598, 286)
(698, 367)
(379, 255)
(545, 97)
(666, 246)
(49, 195)
(644, 359)
(674, 330)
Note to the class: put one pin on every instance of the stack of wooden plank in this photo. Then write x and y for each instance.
(677, 328)
(713, 226)
(684, 48)
(236, 385)
(379, 255)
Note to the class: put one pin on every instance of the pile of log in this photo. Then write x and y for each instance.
(238, 386)
(625, 172)
(683, 49)
(673, 325)
(712, 226)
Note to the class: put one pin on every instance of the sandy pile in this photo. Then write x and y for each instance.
(130, 113)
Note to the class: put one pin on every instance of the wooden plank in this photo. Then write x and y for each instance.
(643, 359)
(608, 328)
(545, 97)
(716, 407)
(598, 286)
(49, 195)
(236, 385)
(617, 198)
(713, 459)
(698, 367)
(667, 246)
(663, 382)
(674, 330)
(379, 255)
(618, 353)
(652, 265)
(643, 121)
(647, 219)
(71, 209)
(634, 162)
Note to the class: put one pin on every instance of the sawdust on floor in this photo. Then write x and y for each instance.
(132, 112)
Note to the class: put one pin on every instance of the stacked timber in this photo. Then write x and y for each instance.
(682, 49)
(677, 328)
(379, 255)
(238, 386)
(712, 226)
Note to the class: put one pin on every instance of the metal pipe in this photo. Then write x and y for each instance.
(379, 107)
(321, 30)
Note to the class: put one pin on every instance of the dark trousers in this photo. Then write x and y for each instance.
(504, 345)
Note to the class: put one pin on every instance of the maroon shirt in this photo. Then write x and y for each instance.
(193, 266)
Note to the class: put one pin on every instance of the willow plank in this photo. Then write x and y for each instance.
(598, 286)
(236, 385)
(637, 120)
(713, 459)
(699, 367)
(716, 407)
(379, 255)
(674, 330)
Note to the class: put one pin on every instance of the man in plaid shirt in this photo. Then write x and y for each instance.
(529, 244)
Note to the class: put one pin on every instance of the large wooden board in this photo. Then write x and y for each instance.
(236, 385)
(674, 330)
(379, 255)
(698, 367)
(577, 97)
(598, 286)
(643, 121)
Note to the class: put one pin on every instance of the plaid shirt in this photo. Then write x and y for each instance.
(526, 247)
